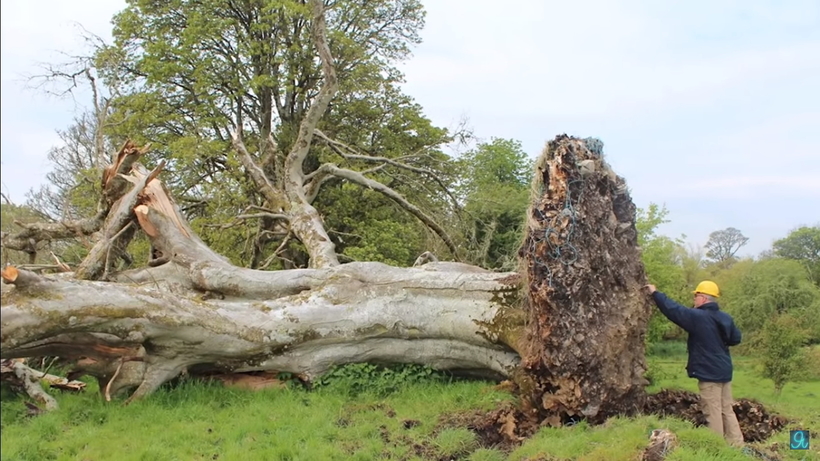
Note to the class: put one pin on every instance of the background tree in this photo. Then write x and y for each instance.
(755, 292)
(724, 244)
(782, 357)
(663, 259)
(494, 188)
(803, 245)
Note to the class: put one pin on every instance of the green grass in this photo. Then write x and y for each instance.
(197, 421)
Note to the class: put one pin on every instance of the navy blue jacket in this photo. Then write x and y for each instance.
(711, 332)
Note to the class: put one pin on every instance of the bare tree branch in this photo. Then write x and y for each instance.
(358, 178)
(351, 153)
(296, 157)
(271, 194)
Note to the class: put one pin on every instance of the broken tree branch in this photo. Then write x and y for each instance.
(33, 233)
(29, 380)
(96, 263)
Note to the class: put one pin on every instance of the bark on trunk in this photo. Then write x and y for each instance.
(301, 321)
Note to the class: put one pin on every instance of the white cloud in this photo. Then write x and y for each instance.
(586, 58)
(34, 33)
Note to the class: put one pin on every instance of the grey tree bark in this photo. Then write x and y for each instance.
(154, 326)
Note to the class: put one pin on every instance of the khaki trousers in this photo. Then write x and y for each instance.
(716, 399)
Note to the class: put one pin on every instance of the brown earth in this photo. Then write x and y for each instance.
(507, 427)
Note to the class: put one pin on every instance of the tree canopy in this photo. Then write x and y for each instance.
(724, 244)
(189, 76)
(803, 245)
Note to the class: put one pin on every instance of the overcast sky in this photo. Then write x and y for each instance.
(709, 107)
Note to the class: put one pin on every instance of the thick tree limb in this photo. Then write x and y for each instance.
(358, 178)
(291, 200)
(33, 233)
(274, 196)
(320, 318)
(306, 222)
(22, 278)
(30, 381)
(296, 157)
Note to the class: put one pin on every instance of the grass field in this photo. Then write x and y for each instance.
(196, 421)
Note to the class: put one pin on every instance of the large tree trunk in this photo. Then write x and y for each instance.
(301, 321)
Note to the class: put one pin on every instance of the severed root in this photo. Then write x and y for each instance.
(661, 443)
(29, 380)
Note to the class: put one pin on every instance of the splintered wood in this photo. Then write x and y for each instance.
(154, 196)
(9, 274)
(18, 374)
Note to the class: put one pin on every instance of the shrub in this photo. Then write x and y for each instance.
(359, 378)
(781, 350)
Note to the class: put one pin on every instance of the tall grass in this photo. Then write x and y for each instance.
(198, 421)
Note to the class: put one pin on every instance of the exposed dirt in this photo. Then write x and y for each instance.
(507, 427)
(504, 427)
(756, 422)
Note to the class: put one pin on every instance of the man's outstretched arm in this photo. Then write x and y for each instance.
(680, 315)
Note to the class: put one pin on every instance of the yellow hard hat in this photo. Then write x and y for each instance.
(708, 287)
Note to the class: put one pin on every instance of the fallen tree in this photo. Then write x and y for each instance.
(568, 330)
(578, 327)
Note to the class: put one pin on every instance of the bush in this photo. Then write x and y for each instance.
(781, 351)
(655, 372)
(812, 355)
(360, 378)
(755, 292)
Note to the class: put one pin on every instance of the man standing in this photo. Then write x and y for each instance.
(711, 332)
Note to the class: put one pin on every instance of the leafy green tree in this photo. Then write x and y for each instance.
(754, 292)
(802, 244)
(663, 260)
(782, 358)
(494, 187)
(188, 75)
